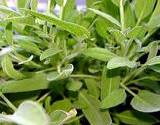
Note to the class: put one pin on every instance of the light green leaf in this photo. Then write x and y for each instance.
(106, 16)
(36, 82)
(65, 73)
(92, 112)
(28, 113)
(99, 53)
(136, 32)
(74, 85)
(153, 61)
(64, 104)
(49, 52)
(34, 5)
(115, 98)
(70, 27)
(154, 20)
(7, 10)
(136, 118)
(129, 16)
(120, 62)
(68, 9)
(92, 87)
(59, 117)
(8, 33)
(21, 3)
(8, 68)
(143, 8)
(109, 82)
(51, 5)
(29, 47)
(153, 50)
(146, 101)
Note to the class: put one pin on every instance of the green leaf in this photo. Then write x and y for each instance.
(153, 61)
(74, 85)
(36, 82)
(49, 52)
(8, 68)
(34, 5)
(28, 113)
(120, 62)
(64, 104)
(146, 101)
(92, 112)
(136, 118)
(8, 11)
(65, 73)
(115, 98)
(130, 19)
(21, 3)
(51, 5)
(8, 33)
(68, 9)
(136, 32)
(29, 47)
(154, 20)
(109, 82)
(70, 27)
(144, 8)
(92, 87)
(106, 16)
(99, 53)
(59, 117)
(153, 50)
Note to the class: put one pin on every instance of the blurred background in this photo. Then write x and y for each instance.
(43, 4)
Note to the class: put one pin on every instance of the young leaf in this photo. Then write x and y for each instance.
(146, 101)
(34, 4)
(109, 82)
(99, 53)
(8, 68)
(36, 82)
(136, 118)
(144, 8)
(106, 16)
(92, 112)
(70, 27)
(117, 62)
(28, 113)
(115, 98)
(49, 52)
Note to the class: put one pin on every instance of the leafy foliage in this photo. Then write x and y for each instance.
(98, 67)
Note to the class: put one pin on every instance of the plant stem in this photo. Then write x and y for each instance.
(83, 76)
(122, 15)
(8, 102)
(127, 89)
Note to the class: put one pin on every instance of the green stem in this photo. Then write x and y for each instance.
(8, 102)
(122, 15)
(83, 76)
(127, 89)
